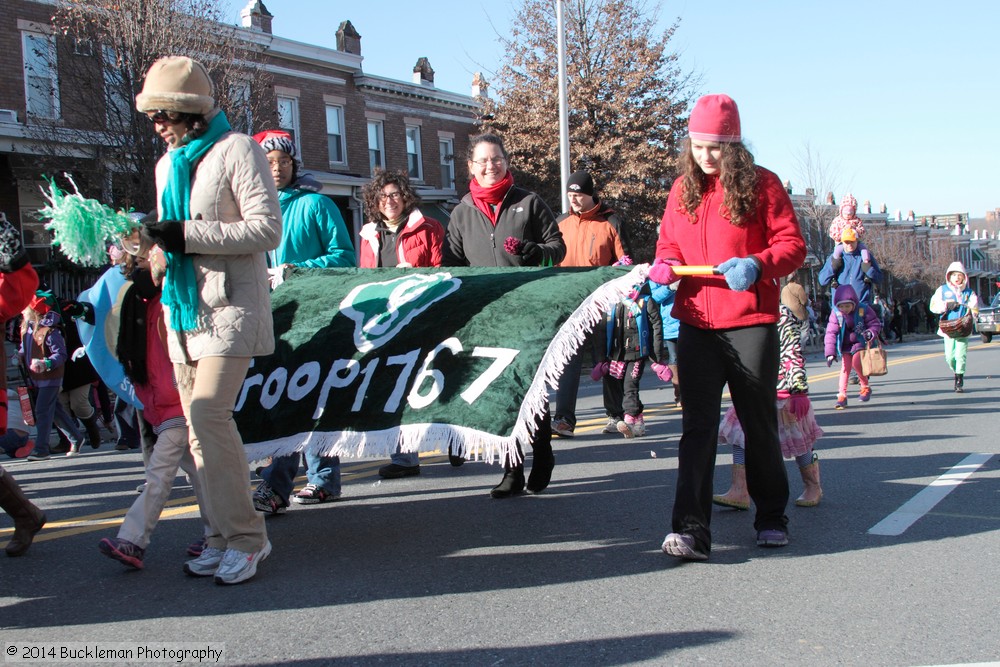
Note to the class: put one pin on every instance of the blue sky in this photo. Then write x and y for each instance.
(899, 100)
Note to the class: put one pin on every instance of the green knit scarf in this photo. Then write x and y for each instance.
(180, 286)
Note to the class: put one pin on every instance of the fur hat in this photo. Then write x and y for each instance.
(793, 297)
(849, 234)
(580, 182)
(715, 118)
(276, 140)
(177, 83)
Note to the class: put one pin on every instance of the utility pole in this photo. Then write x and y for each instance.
(563, 106)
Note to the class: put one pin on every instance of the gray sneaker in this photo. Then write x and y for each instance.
(611, 426)
(237, 566)
(206, 564)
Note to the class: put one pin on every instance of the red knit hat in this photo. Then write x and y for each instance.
(715, 118)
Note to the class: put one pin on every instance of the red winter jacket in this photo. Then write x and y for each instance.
(771, 234)
(161, 402)
(419, 243)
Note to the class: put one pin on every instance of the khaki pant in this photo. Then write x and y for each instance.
(209, 388)
(170, 452)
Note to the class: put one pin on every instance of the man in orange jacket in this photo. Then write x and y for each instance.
(594, 236)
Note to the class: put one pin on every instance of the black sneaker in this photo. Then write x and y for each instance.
(122, 551)
(396, 471)
(267, 501)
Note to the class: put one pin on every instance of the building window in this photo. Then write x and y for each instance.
(41, 82)
(119, 106)
(239, 103)
(413, 164)
(376, 153)
(288, 119)
(447, 163)
(335, 134)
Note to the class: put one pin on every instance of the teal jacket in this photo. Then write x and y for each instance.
(313, 232)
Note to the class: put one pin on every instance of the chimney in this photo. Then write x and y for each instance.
(829, 199)
(480, 87)
(256, 17)
(423, 73)
(348, 39)
(788, 186)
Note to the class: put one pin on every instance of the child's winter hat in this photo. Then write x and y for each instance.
(845, 294)
(177, 83)
(276, 140)
(956, 267)
(715, 118)
(849, 235)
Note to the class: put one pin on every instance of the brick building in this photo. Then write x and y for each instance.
(345, 121)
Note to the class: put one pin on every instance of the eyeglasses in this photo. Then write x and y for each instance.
(164, 117)
(280, 162)
(497, 161)
(395, 196)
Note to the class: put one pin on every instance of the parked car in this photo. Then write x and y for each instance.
(988, 320)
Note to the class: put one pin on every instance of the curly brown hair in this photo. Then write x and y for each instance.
(373, 191)
(738, 174)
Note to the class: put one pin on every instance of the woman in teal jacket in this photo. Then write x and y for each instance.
(314, 236)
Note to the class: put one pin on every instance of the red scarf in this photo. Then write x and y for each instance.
(487, 198)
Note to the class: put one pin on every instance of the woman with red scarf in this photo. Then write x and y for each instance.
(496, 210)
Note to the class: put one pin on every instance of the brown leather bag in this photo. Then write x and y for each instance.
(873, 361)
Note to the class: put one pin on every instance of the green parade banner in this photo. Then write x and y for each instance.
(371, 360)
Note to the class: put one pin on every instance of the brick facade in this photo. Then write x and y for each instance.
(314, 76)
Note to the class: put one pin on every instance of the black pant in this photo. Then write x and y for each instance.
(746, 359)
(621, 397)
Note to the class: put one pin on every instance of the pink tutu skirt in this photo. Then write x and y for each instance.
(797, 436)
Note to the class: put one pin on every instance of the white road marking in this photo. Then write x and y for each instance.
(922, 503)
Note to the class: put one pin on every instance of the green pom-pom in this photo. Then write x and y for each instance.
(81, 227)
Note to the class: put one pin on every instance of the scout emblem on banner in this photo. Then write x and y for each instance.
(368, 360)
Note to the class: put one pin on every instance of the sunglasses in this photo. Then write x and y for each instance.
(164, 117)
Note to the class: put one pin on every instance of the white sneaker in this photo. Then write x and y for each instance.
(611, 426)
(625, 429)
(206, 564)
(638, 427)
(237, 566)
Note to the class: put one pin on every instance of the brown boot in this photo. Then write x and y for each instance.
(28, 519)
(737, 496)
(810, 478)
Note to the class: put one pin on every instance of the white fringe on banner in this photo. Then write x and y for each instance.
(465, 442)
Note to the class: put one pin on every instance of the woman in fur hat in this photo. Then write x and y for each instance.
(219, 215)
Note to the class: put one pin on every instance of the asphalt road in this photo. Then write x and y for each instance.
(897, 566)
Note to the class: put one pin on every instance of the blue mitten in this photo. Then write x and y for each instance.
(740, 273)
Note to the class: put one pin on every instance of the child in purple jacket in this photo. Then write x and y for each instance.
(850, 327)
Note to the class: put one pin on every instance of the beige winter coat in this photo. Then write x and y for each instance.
(234, 204)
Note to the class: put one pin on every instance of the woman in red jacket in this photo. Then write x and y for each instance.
(727, 212)
(398, 235)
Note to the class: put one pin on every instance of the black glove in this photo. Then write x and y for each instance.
(77, 310)
(836, 263)
(531, 253)
(834, 283)
(168, 234)
(865, 267)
